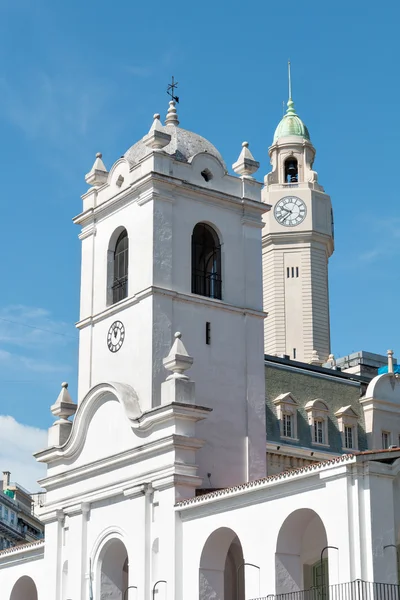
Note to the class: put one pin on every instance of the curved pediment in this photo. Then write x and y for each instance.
(384, 388)
(102, 424)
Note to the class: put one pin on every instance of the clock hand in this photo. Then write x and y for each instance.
(285, 216)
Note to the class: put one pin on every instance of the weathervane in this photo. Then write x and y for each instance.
(171, 90)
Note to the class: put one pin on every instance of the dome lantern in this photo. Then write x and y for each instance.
(291, 124)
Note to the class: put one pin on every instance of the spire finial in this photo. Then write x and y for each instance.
(172, 115)
(290, 104)
(390, 361)
(178, 360)
(245, 165)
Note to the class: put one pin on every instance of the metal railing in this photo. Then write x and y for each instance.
(206, 284)
(354, 590)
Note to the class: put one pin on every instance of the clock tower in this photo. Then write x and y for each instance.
(297, 243)
(172, 243)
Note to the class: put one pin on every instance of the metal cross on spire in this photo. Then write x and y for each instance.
(171, 90)
(290, 81)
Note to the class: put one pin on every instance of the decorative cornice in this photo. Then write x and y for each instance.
(128, 457)
(152, 194)
(88, 232)
(251, 222)
(133, 192)
(158, 477)
(338, 376)
(369, 403)
(289, 449)
(153, 290)
(282, 238)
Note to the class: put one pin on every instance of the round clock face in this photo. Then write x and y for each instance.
(116, 336)
(290, 211)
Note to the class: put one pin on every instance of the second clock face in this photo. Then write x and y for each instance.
(290, 211)
(116, 336)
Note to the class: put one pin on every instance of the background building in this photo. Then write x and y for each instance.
(366, 364)
(18, 524)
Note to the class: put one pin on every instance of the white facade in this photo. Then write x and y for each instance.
(121, 513)
(159, 201)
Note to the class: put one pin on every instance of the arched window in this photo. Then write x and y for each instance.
(206, 262)
(318, 413)
(120, 269)
(291, 170)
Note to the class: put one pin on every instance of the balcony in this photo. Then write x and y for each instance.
(11, 530)
(354, 590)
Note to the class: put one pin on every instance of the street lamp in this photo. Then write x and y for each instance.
(129, 588)
(246, 564)
(397, 555)
(321, 564)
(156, 584)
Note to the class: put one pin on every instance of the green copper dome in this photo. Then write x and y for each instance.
(291, 124)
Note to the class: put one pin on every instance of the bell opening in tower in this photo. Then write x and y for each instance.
(291, 170)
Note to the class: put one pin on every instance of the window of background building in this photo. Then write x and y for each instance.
(385, 439)
(287, 425)
(319, 431)
(348, 437)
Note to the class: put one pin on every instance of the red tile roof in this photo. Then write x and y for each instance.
(316, 466)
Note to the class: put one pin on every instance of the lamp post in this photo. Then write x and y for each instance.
(156, 584)
(397, 556)
(321, 564)
(129, 588)
(246, 564)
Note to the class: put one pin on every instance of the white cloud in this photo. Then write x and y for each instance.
(32, 327)
(17, 444)
(139, 71)
(371, 255)
(387, 232)
(59, 109)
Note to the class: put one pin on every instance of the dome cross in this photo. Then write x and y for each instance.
(171, 90)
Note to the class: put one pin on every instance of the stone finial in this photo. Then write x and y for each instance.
(390, 361)
(98, 173)
(332, 360)
(64, 406)
(315, 359)
(245, 164)
(172, 115)
(178, 388)
(178, 360)
(157, 138)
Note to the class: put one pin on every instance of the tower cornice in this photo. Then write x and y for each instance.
(290, 239)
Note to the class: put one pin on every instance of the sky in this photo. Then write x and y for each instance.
(79, 77)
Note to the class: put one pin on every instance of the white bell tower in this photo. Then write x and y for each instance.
(172, 242)
(297, 243)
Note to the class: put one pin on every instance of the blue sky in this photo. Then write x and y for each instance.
(81, 77)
